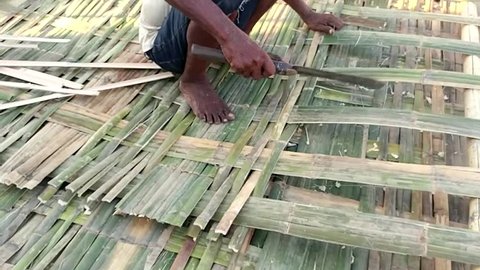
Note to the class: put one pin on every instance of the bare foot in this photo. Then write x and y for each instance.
(204, 101)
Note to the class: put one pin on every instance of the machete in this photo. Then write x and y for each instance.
(284, 68)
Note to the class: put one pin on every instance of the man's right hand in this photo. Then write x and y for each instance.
(246, 57)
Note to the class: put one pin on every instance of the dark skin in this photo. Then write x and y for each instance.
(210, 27)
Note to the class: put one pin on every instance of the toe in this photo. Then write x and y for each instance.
(210, 118)
(217, 118)
(230, 115)
(203, 116)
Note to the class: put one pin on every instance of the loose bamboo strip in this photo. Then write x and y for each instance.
(37, 77)
(96, 88)
(183, 255)
(86, 92)
(21, 63)
(18, 46)
(29, 101)
(471, 65)
(34, 39)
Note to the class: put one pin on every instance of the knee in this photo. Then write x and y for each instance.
(229, 6)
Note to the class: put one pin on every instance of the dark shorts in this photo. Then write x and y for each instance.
(170, 46)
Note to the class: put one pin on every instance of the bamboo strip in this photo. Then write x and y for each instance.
(37, 77)
(34, 39)
(18, 46)
(471, 65)
(126, 83)
(86, 92)
(416, 177)
(22, 63)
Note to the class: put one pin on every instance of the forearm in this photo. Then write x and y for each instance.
(301, 8)
(208, 15)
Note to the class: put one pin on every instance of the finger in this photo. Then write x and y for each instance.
(256, 73)
(324, 29)
(335, 22)
(268, 68)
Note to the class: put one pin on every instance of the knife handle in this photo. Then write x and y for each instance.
(216, 55)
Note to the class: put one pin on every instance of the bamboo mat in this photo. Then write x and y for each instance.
(312, 174)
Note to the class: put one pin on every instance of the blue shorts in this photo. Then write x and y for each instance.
(170, 46)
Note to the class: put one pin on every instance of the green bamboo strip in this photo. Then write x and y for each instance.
(160, 117)
(374, 38)
(13, 220)
(125, 132)
(144, 191)
(125, 180)
(208, 257)
(66, 228)
(35, 250)
(183, 207)
(386, 13)
(260, 139)
(112, 181)
(84, 238)
(102, 131)
(175, 193)
(98, 169)
(169, 141)
(78, 165)
(338, 226)
(202, 220)
(416, 177)
(10, 197)
(233, 156)
(449, 124)
(55, 250)
(423, 76)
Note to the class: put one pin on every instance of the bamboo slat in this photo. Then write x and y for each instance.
(471, 65)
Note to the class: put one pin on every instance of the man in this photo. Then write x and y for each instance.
(169, 28)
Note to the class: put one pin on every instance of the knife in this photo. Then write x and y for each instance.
(284, 68)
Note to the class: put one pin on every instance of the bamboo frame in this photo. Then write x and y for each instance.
(471, 65)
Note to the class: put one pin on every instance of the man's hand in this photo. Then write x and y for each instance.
(246, 57)
(325, 23)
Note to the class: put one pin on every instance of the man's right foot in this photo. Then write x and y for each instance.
(204, 101)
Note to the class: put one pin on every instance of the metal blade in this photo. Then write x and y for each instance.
(367, 82)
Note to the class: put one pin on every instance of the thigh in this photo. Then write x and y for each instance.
(170, 47)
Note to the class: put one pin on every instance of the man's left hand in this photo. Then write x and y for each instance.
(325, 23)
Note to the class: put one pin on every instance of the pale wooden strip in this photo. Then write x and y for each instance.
(471, 65)
(150, 78)
(38, 77)
(85, 92)
(20, 63)
(34, 39)
(18, 46)
(31, 101)
(237, 205)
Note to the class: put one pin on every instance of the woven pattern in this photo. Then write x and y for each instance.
(312, 174)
